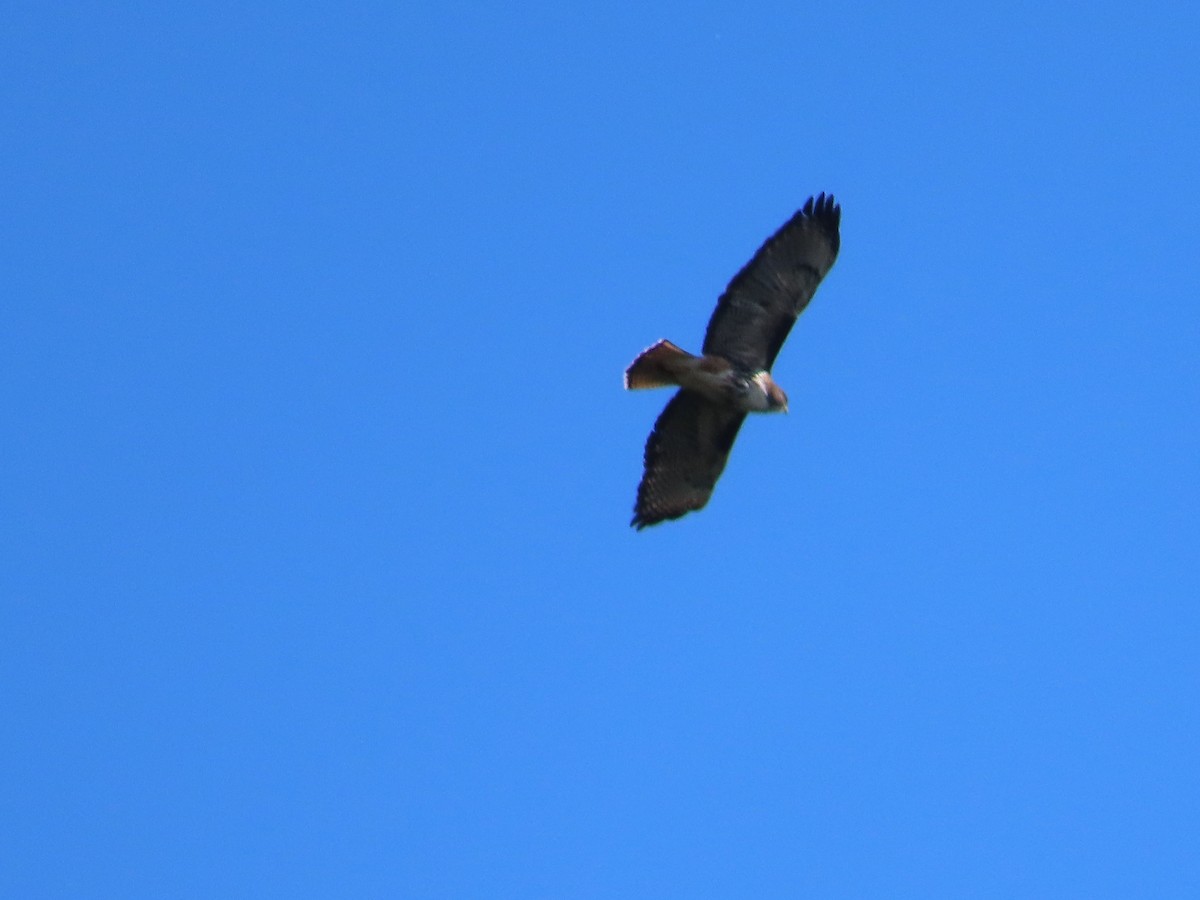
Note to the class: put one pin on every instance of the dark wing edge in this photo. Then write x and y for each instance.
(685, 455)
(757, 310)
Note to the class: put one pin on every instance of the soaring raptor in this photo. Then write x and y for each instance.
(687, 450)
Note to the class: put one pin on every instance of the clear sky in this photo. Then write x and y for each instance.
(316, 577)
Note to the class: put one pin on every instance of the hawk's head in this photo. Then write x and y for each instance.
(767, 396)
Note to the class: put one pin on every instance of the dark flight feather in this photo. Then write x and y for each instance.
(761, 303)
(685, 455)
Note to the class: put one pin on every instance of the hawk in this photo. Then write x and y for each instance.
(689, 446)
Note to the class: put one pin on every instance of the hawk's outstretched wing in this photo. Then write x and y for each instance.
(761, 303)
(685, 455)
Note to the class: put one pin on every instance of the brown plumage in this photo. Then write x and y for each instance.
(689, 446)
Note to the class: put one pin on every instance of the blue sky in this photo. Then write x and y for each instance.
(317, 578)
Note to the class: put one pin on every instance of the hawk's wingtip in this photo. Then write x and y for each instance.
(823, 206)
(638, 522)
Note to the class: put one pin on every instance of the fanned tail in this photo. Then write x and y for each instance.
(655, 367)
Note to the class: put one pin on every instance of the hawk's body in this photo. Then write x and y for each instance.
(690, 444)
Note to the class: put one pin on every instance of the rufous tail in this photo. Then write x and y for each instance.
(654, 367)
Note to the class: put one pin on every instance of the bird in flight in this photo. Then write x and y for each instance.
(689, 446)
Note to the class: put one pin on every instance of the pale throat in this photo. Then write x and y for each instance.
(758, 393)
